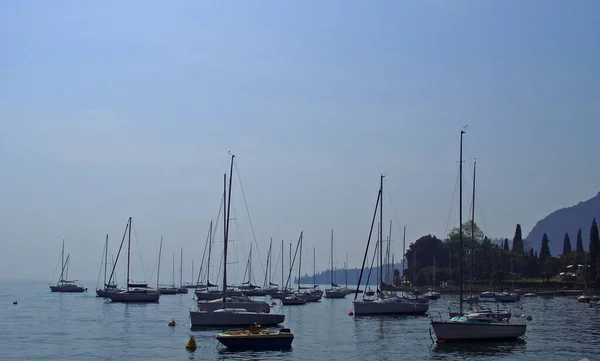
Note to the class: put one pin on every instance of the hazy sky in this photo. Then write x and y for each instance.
(116, 109)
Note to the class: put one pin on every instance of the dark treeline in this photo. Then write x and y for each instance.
(499, 262)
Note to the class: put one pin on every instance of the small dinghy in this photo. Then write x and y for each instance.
(256, 338)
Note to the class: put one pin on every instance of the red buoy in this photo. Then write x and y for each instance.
(350, 313)
(529, 318)
(441, 341)
(172, 323)
(15, 302)
(273, 303)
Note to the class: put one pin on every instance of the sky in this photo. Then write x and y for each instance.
(128, 109)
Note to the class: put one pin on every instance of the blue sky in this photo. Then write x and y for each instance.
(121, 109)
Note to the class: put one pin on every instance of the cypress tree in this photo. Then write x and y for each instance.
(567, 244)
(518, 241)
(594, 248)
(505, 245)
(544, 251)
(579, 245)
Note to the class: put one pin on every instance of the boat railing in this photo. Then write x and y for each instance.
(435, 315)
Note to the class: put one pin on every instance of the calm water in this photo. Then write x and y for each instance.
(54, 326)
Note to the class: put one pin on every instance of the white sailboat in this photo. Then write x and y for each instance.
(385, 302)
(335, 291)
(134, 292)
(472, 326)
(227, 315)
(64, 285)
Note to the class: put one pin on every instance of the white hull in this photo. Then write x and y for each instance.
(248, 305)
(134, 296)
(464, 331)
(234, 317)
(394, 306)
(335, 293)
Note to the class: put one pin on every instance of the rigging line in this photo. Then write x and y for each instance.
(237, 170)
(450, 212)
(204, 252)
(101, 264)
(140, 251)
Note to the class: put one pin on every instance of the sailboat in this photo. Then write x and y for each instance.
(470, 326)
(63, 285)
(335, 291)
(228, 314)
(433, 295)
(110, 286)
(134, 292)
(295, 298)
(169, 290)
(386, 302)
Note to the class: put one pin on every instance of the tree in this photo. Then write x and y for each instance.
(566, 244)
(552, 266)
(594, 249)
(544, 251)
(518, 241)
(466, 230)
(396, 277)
(579, 246)
(505, 245)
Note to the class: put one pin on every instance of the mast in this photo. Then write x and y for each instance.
(389, 247)
(282, 285)
(403, 252)
(159, 256)
(300, 261)
(314, 267)
(181, 269)
(210, 238)
(192, 271)
(473, 230)
(105, 258)
(331, 258)
(290, 263)
(346, 271)
(128, 252)
(173, 270)
(381, 233)
(62, 262)
(460, 233)
(226, 226)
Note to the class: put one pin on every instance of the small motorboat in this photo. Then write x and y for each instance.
(530, 294)
(432, 295)
(583, 299)
(256, 338)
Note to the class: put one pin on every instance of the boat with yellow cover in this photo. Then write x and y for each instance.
(256, 338)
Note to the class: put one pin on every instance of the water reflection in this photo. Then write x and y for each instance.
(470, 349)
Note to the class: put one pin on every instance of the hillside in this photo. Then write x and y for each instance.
(569, 220)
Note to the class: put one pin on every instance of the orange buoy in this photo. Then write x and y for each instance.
(172, 323)
(15, 302)
(350, 313)
(529, 318)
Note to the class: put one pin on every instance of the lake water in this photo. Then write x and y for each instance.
(55, 326)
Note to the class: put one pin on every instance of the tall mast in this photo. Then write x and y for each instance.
(460, 233)
(159, 256)
(473, 230)
(403, 252)
(128, 252)
(62, 262)
(300, 261)
(314, 267)
(346, 271)
(210, 238)
(181, 269)
(381, 233)
(105, 258)
(226, 226)
(173, 270)
(331, 258)
(282, 285)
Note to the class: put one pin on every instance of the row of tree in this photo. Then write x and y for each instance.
(484, 260)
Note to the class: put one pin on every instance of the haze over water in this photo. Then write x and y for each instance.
(53, 326)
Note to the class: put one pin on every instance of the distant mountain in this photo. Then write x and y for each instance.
(569, 220)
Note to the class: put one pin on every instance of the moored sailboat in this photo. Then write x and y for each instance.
(471, 326)
(64, 285)
(334, 291)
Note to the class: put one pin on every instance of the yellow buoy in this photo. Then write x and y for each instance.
(191, 344)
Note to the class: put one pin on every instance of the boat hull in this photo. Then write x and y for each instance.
(450, 331)
(273, 342)
(389, 308)
(335, 294)
(215, 318)
(68, 289)
(133, 296)
(105, 292)
(251, 306)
